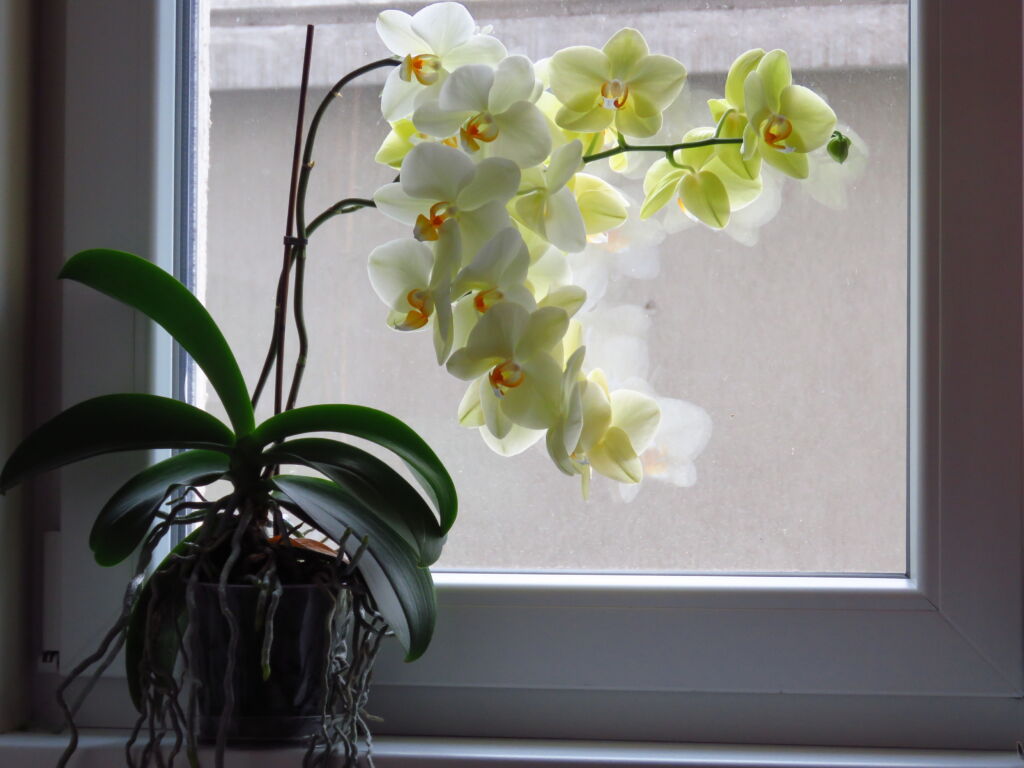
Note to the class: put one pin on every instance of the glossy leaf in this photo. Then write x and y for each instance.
(403, 592)
(379, 487)
(114, 423)
(125, 519)
(149, 289)
(378, 427)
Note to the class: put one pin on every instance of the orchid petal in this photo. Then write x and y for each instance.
(577, 72)
(704, 196)
(625, 49)
(431, 119)
(479, 49)
(515, 442)
(436, 172)
(597, 118)
(563, 224)
(392, 201)
(812, 119)
(776, 74)
(495, 179)
(565, 162)
(569, 298)
(495, 422)
(602, 206)
(443, 26)
(790, 163)
(480, 224)
(535, 403)
(638, 118)
(597, 415)
(523, 135)
(659, 79)
(467, 89)
(397, 97)
(637, 415)
(543, 330)
(395, 29)
(744, 64)
(513, 81)
(614, 457)
(471, 413)
(398, 267)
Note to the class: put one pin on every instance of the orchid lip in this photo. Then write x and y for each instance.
(614, 94)
(505, 376)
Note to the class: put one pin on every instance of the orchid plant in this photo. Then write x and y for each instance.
(492, 151)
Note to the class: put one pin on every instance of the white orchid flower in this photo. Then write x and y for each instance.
(491, 111)
(516, 438)
(497, 273)
(435, 41)
(440, 183)
(547, 206)
(514, 351)
(682, 435)
(415, 284)
(617, 428)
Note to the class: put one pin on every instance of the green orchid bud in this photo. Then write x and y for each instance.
(839, 147)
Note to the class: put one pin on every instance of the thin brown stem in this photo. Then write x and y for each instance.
(276, 351)
(300, 219)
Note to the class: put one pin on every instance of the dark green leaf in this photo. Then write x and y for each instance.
(403, 592)
(378, 427)
(114, 423)
(376, 485)
(125, 519)
(144, 286)
(170, 616)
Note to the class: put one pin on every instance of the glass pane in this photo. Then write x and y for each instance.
(778, 345)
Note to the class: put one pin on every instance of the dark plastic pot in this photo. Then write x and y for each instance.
(288, 705)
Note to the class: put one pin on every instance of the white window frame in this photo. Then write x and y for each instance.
(932, 660)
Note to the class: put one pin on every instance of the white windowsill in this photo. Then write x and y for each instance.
(103, 748)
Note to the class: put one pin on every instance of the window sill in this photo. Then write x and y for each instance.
(103, 748)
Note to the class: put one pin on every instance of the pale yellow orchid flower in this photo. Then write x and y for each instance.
(622, 85)
(515, 350)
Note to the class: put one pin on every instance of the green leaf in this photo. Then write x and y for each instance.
(125, 519)
(403, 592)
(378, 427)
(172, 619)
(114, 423)
(376, 485)
(144, 286)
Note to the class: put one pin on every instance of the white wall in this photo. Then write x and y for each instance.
(15, 118)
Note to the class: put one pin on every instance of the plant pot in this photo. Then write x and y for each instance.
(288, 705)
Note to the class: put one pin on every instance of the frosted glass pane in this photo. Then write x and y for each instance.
(788, 330)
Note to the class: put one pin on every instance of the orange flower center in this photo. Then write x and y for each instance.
(484, 300)
(429, 227)
(614, 94)
(426, 68)
(776, 130)
(478, 128)
(506, 376)
(422, 305)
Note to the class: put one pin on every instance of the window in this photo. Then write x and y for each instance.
(932, 660)
(782, 338)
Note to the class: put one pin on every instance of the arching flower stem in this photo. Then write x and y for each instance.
(296, 253)
(666, 149)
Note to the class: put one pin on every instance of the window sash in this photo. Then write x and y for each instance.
(928, 660)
